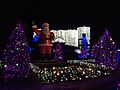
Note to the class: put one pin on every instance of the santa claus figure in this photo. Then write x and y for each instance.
(45, 41)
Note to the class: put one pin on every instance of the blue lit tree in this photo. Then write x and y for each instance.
(105, 51)
(84, 50)
(16, 56)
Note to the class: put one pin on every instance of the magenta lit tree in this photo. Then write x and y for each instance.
(58, 52)
(105, 51)
(83, 52)
(16, 56)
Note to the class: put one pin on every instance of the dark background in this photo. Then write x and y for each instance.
(62, 15)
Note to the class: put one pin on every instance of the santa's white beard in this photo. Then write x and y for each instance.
(46, 32)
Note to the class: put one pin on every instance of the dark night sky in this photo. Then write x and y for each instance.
(65, 15)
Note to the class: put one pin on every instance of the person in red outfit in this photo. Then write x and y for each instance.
(45, 42)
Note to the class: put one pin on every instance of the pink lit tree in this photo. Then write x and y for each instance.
(16, 56)
(105, 51)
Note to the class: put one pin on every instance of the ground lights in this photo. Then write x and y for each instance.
(70, 72)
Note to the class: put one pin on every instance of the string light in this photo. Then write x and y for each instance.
(105, 51)
(71, 72)
(58, 52)
(16, 56)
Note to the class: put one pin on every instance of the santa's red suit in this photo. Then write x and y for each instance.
(45, 42)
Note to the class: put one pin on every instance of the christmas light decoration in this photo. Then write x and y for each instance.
(118, 55)
(30, 49)
(105, 51)
(0, 64)
(72, 71)
(58, 52)
(0, 68)
(16, 56)
(84, 50)
(36, 38)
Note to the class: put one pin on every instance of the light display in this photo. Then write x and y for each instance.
(84, 49)
(36, 38)
(0, 64)
(30, 49)
(75, 70)
(0, 68)
(118, 55)
(16, 56)
(105, 52)
(84, 30)
(58, 52)
(71, 36)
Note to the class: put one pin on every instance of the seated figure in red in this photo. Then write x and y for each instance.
(45, 42)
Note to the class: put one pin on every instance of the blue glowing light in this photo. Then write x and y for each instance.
(79, 56)
(30, 49)
(84, 51)
(118, 56)
(84, 42)
(36, 38)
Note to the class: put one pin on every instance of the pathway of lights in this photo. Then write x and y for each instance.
(71, 72)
